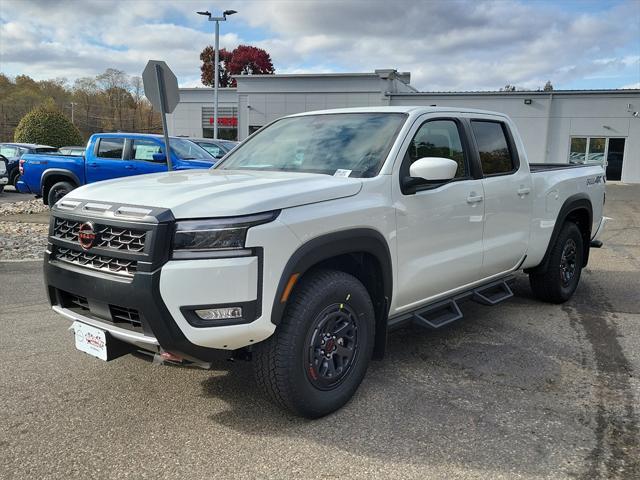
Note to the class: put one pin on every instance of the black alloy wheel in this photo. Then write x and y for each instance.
(332, 346)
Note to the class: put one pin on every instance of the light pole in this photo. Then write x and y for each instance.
(223, 18)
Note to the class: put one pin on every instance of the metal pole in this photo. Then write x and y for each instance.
(163, 114)
(215, 82)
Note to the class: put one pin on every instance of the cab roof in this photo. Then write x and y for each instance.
(413, 110)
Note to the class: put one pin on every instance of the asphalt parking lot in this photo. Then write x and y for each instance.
(10, 195)
(521, 390)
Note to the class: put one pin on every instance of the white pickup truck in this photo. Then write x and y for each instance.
(314, 238)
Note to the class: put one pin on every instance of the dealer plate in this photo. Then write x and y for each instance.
(90, 340)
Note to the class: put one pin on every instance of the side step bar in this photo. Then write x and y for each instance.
(445, 312)
(492, 294)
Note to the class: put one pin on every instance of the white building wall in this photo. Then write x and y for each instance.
(186, 119)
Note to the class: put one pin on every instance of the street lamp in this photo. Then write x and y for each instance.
(223, 18)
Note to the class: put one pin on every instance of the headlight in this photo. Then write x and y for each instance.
(215, 237)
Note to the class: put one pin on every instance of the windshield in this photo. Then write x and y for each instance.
(188, 150)
(344, 144)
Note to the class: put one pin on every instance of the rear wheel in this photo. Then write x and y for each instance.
(319, 354)
(15, 177)
(558, 283)
(57, 191)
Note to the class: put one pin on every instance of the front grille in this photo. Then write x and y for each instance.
(96, 262)
(107, 236)
(123, 317)
(76, 301)
(126, 315)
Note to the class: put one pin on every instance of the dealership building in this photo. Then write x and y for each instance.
(556, 126)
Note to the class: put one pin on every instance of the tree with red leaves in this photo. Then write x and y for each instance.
(243, 60)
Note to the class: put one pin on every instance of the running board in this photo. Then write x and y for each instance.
(438, 315)
(492, 294)
(445, 312)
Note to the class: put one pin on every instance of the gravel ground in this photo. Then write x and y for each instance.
(23, 207)
(21, 239)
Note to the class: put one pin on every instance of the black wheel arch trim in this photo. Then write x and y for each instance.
(578, 201)
(325, 247)
(58, 171)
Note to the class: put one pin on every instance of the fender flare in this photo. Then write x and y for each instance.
(578, 201)
(324, 247)
(58, 171)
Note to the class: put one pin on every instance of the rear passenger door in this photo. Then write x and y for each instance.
(106, 161)
(507, 191)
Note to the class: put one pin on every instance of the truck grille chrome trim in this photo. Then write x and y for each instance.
(96, 262)
(120, 333)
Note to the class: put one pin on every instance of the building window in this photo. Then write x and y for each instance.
(227, 122)
(588, 150)
(578, 151)
(605, 151)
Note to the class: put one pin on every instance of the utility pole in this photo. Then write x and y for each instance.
(73, 104)
(223, 18)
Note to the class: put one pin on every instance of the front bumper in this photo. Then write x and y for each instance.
(103, 293)
(142, 297)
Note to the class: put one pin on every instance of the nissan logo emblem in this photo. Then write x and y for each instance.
(86, 235)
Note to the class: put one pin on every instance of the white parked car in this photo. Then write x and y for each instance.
(314, 238)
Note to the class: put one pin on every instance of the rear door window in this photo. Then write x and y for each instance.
(144, 149)
(493, 147)
(110, 148)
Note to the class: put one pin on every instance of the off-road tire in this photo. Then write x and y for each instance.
(57, 191)
(283, 363)
(550, 286)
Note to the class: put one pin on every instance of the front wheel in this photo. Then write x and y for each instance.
(319, 354)
(558, 283)
(57, 191)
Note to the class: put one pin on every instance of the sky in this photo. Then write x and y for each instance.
(447, 45)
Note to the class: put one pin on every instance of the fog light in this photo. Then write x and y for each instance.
(226, 313)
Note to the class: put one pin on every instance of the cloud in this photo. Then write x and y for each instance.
(446, 45)
(454, 45)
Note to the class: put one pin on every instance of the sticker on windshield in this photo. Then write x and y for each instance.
(342, 173)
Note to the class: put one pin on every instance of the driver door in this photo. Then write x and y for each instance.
(439, 227)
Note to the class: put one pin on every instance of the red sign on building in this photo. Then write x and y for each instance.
(225, 121)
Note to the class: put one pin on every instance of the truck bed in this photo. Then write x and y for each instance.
(544, 167)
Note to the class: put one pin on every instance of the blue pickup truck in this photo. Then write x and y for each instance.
(108, 155)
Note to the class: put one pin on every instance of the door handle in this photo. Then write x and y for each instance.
(93, 164)
(129, 167)
(524, 191)
(474, 198)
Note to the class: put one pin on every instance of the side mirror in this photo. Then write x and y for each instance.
(433, 169)
(159, 157)
(429, 171)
